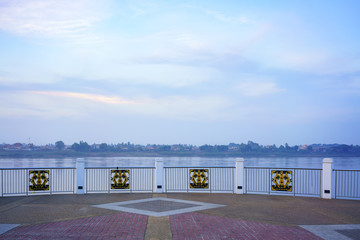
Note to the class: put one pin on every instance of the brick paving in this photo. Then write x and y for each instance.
(203, 226)
(239, 217)
(115, 226)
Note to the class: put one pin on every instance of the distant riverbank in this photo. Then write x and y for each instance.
(64, 154)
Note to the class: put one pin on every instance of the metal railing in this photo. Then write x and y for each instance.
(219, 179)
(302, 181)
(140, 179)
(17, 182)
(347, 184)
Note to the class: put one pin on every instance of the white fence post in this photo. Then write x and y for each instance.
(80, 175)
(159, 176)
(239, 176)
(326, 179)
(2, 183)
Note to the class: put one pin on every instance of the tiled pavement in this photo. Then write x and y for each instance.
(133, 226)
(203, 226)
(238, 217)
(352, 233)
(115, 226)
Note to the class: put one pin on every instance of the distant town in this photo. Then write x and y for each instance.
(250, 148)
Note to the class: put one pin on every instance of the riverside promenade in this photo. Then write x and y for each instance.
(177, 216)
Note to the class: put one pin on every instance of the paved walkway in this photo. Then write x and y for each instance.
(230, 217)
(115, 226)
(203, 226)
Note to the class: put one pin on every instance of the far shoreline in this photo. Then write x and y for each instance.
(73, 154)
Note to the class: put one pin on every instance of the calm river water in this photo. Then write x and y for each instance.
(297, 162)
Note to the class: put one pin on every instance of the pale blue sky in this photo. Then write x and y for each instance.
(191, 72)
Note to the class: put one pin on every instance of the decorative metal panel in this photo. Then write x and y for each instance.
(120, 179)
(39, 180)
(199, 178)
(281, 180)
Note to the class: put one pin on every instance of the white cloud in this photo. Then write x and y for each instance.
(355, 83)
(314, 62)
(203, 108)
(220, 15)
(173, 44)
(54, 104)
(257, 89)
(169, 75)
(300, 54)
(50, 17)
(85, 96)
(141, 8)
(26, 104)
(226, 18)
(352, 86)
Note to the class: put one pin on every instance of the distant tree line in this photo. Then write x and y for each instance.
(249, 147)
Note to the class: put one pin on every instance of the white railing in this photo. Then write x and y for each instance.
(295, 181)
(102, 180)
(325, 182)
(17, 181)
(347, 184)
(257, 180)
(215, 179)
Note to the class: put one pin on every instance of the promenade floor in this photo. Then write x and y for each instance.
(177, 216)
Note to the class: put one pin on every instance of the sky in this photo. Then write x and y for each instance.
(188, 72)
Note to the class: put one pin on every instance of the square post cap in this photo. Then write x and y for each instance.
(240, 160)
(327, 160)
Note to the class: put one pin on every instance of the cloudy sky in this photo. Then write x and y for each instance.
(191, 72)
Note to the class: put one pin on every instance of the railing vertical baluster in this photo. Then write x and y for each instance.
(27, 181)
(294, 185)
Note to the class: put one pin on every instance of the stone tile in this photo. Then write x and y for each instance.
(6, 227)
(158, 207)
(334, 232)
(353, 234)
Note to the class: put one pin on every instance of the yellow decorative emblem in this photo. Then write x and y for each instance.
(39, 180)
(199, 178)
(120, 179)
(281, 180)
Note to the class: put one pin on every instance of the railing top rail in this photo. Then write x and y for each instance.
(24, 168)
(296, 168)
(357, 170)
(118, 167)
(198, 167)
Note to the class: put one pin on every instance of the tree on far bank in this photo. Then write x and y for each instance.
(103, 147)
(59, 145)
(81, 147)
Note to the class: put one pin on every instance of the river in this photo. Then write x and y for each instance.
(289, 162)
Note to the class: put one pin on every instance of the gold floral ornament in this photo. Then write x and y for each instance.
(199, 178)
(281, 180)
(39, 180)
(120, 179)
